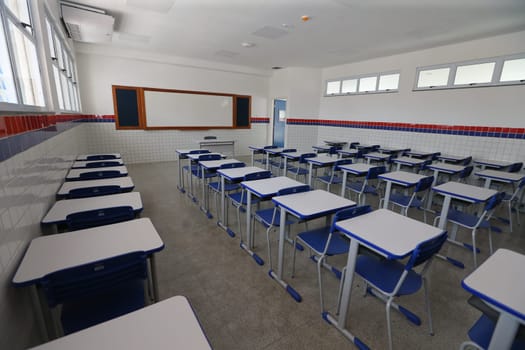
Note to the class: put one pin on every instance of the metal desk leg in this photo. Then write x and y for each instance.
(247, 246)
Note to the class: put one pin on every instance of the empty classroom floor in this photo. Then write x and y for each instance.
(241, 307)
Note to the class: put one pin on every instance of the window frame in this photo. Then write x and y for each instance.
(358, 78)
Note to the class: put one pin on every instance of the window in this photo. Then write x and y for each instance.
(7, 83)
(496, 71)
(365, 84)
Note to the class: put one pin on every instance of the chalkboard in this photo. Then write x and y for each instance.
(242, 113)
(127, 110)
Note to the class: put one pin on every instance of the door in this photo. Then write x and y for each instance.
(279, 120)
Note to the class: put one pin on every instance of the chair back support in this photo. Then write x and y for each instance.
(424, 184)
(99, 217)
(93, 278)
(516, 167)
(303, 157)
(258, 175)
(353, 145)
(233, 165)
(334, 149)
(101, 164)
(342, 162)
(94, 191)
(466, 172)
(199, 151)
(436, 155)
(102, 174)
(101, 157)
(467, 161)
(269, 147)
(288, 150)
(210, 157)
(374, 172)
(425, 164)
(292, 190)
(494, 201)
(349, 213)
(426, 250)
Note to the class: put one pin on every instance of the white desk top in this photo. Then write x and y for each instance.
(306, 205)
(294, 155)
(322, 147)
(51, 253)
(364, 145)
(393, 149)
(185, 152)
(357, 168)
(390, 234)
(216, 164)
(168, 324)
(75, 173)
(420, 153)
(322, 159)
(408, 161)
(377, 155)
(402, 177)
(348, 151)
(447, 168)
(196, 156)
(499, 175)
(274, 150)
(269, 187)
(84, 163)
(61, 209)
(464, 191)
(84, 156)
(493, 163)
(236, 174)
(123, 182)
(452, 158)
(499, 281)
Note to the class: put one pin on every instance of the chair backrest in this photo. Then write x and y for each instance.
(199, 151)
(435, 156)
(349, 213)
(99, 217)
(467, 161)
(494, 201)
(424, 184)
(466, 172)
(100, 174)
(287, 150)
(303, 157)
(233, 165)
(269, 147)
(342, 162)
(101, 164)
(425, 164)
(516, 167)
(258, 175)
(374, 172)
(101, 157)
(353, 145)
(334, 149)
(292, 190)
(426, 250)
(210, 137)
(93, 278)
(212, 156)
(93, 191)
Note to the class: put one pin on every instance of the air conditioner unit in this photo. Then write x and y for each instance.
(87, 24)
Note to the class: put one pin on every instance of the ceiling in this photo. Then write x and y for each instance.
(337, 32)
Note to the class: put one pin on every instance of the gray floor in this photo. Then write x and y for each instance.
(241, 307)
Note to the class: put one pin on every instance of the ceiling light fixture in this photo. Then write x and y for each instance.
(247, 44)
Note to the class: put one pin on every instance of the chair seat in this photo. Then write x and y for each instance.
(228, 187)
(403, 200)
(265, 217)
(481, 334)
(385, 274)
(465, 219)
(357, 186)
(329, 179)
(298, 170)
(239, 199)
(316, 240)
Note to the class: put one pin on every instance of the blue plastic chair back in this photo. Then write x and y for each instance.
(426, 250)
(349, 213)
(258, 175)
(102, 164)
(209, 157)
(292, 190)
(466, 172)
(374, 172)
(233, 165)
(101, 174)
(303, 157)
(99, 217)
(344, 161)
(516, 167)
(494, 201)
(288, 150)
(466, 161)
(93, 191)
(353, 145)
(424, 184)
(269, 147)
(334, 149)
(199, 151)
(436, 155)
(101, 157)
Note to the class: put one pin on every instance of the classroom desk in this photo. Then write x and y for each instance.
(408, 161)
(168, 324)
(422, 155)
(367, 148)
(194, 158)
(233, 175)
(377, 156)
(390, 234)
(445, 168)
(52, 253)
(393, 150)
(401, 178)
(74, 174)
(498, 284)
(493, 164)
(348, 153)
(321, 161)
(335, 143)
(304, 206)
(218, 145)
(80, 164)
(357, 169)
(61, 209)
(256, 150)
(290, 157)
(264, 189)
(210, 166)
(85, 156)
(499, 176)
(272, 152)
(183, 154)
(125, 184)
(321, 148)
(452, 159)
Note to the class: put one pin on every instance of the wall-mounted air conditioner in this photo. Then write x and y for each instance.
(87, 24)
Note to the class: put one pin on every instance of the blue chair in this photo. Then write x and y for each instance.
(414, 200)
(513, 199)
(465, 173)
(97, 292)
(301, 169)
(334, 178)
(279, 164)
(481, 333)
(193, 167)
(99, 217)
(270, 218)
(100, 174)
(263, 159)
(362, 188)
(102, 164)
(197, 171)
(474, 222)
(327, 241)
(515, 167)
(215, 186)
(387, 279)
(101, 157)
(94, 191)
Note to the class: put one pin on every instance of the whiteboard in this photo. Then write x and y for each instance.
(179, 109)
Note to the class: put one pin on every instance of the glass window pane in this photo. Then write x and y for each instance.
(349, 86)
(474, 74)
(513, 70)
(7, 83)
(433, 77)
(28, 71)
(50, 36)
(65, 90)
(59, 52)
(58, 86)
(367, 84)
(20, 9)
(388, 82)
(333, 87)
